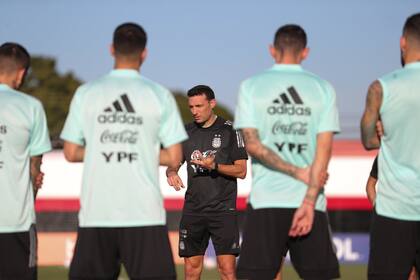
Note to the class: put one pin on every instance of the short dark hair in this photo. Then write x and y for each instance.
(290, 37)
(129, 39)
(13, 57)
(411, 27)
(201, 90)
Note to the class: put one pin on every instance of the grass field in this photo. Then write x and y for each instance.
(348, 272)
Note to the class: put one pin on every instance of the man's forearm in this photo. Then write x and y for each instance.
(35, 170)
(74, 152)
(264, 154)
(319, 166)
(171, 156)
(236, 170)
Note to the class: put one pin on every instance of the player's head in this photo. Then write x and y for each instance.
(129, 43)
(289, 43)
(14, 63)
(201, 102)
(410, 40)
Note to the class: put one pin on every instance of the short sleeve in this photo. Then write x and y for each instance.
(244, 113)
(238, 150)
(39, 142)
(329, 121)
(171, 130)
(73, 127)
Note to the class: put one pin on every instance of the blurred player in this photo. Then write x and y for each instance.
(216, 156)
(115, 125)
(395, 101)
(288, 117)
(24, 138)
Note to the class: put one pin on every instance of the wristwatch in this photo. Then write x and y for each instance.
(216, 166)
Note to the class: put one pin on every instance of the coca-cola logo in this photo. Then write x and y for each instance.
(125, 137)
(294, 128)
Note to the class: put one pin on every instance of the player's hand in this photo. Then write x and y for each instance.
(370, 190)
(302, 220)
(205, 162)
(38, 181)
(379, 129)
(175, 181)
(303, 174)
(323, 178)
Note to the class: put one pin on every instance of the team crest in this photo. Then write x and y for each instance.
(217, 141)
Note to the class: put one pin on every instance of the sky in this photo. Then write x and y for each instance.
(219, 43)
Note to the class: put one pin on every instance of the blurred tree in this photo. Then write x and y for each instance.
(56, 90)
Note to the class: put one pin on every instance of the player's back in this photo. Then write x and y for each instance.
(123, 118)
(23, 133)
(399, 163)
(289, 107)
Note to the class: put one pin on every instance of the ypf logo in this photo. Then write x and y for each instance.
(3, 129)
(121, 111)
(289, 103)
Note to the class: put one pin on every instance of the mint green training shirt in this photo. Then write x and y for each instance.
(122, 119)
(23, 134)
(398, 193)
(289, 107)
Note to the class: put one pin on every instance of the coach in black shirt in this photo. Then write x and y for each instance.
(215, 156)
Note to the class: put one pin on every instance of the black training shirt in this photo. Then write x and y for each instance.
(209, 191)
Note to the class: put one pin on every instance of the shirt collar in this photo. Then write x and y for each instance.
(125, 72)
(292, 67)
(4, 86)
(415, 64)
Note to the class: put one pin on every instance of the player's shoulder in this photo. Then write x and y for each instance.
(393, 75)
(154, 86)
(325, 86)
(25, 99)
(224, 124)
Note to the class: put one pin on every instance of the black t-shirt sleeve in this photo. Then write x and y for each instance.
(374, 171)
(237, 146)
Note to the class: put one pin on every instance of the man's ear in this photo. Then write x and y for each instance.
(213, 103)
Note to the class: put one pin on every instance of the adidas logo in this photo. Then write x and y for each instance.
(293, 94)
(289, 104)
(117, 105)
(121, 112)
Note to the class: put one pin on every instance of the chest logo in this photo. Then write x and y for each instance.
(217, 141)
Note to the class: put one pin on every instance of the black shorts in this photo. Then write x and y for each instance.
(394, 248)
(18, 255)
(144, 251)
(195, 231)
(266, 240)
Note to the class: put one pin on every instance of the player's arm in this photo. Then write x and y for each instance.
(257, 150)
(73, 152)
(37, 176)
(370, 138)
(303, 217)
(237, 169)
(172, 158)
